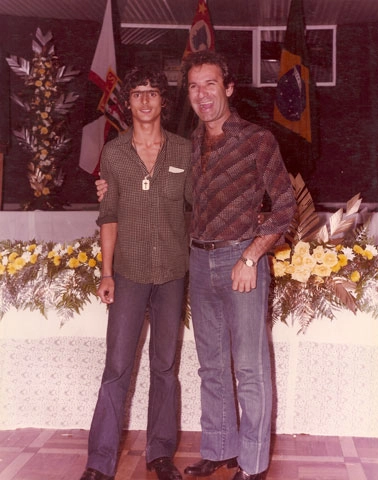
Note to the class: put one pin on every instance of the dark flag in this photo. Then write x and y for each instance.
(201, 37)
(294, 109)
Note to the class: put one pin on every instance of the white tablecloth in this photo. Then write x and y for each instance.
(326, 381)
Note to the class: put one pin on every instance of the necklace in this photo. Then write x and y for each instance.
(147, 177)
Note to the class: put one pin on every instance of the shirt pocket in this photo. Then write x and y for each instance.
(174, 183)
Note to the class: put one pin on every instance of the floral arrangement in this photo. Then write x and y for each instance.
(45, 104)
(47, 275)
(321, 269)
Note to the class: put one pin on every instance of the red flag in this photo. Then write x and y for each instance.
(201, 35)
(294, 109)
(103, 75)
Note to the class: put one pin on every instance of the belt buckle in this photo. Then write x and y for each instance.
(209, 246)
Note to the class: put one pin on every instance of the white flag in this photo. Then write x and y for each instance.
(102, 74)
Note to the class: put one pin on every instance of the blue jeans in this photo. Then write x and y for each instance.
(126, 319)
(231, 336)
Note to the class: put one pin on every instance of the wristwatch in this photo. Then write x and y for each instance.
(248, 261)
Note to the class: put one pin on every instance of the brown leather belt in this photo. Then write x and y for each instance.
(213, 245)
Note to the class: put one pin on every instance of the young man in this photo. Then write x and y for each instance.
(145, 258)
(234, 162)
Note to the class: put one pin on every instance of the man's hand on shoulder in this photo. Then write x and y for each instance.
(102, 188)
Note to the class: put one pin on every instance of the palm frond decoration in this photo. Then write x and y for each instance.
(323, 269)
(45, 104)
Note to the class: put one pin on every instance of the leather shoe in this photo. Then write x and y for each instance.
(92, 474)
(204, 468)
(164, 468)
(242, 475)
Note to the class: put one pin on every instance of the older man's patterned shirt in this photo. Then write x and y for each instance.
(229, 185)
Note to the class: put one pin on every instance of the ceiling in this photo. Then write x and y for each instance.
(152, 14)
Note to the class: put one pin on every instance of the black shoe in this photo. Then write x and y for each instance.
(92, 474)
(204, 468)
(242, 475)
(164, 468)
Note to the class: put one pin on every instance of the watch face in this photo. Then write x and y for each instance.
(249, 263)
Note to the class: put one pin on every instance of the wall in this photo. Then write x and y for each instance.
(348, 112)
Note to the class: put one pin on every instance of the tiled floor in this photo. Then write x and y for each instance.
(33, 454)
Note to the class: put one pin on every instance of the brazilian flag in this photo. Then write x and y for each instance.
(295, 108)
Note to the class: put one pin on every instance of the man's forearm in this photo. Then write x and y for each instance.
(108, 236)
(260, 246)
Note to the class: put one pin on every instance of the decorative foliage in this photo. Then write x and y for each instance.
(322, 269)
(45, 104)
(47, 275)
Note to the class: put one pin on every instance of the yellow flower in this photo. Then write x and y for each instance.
(304, 258)
(92, 263)
(31, 247)
(41, 71)
(51, 254)
(302, 248)
(38, 83)
(336, 268)
(2, 269)
(368, 254)
(343, 259)
(57, 260)
(82, 257)
(290, 269)
(44, 130)
(355, 276)
(45, 191)
(330, 258)
(322, 270)
(73, 263)
(279, 269)
(358, 249)
(44, 114)
(47, 94)
(37, 193)
(70, 249)
(318, 253)
(48, 84)
(282, 252)
(33, 259)
(19, 263)
(13, 256)
(301, 274)
(99, 257)
(11, 268)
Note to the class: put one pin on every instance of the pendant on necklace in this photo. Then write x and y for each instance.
(145, 184)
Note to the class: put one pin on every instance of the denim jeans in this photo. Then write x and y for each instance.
(231, 336)
(126, 319)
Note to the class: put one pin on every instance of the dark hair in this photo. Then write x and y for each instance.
(196, 59)
(142, 75)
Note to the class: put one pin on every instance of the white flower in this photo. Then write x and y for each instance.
(26, 256)
(372, 249)
(348, 252)
(95, 249)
